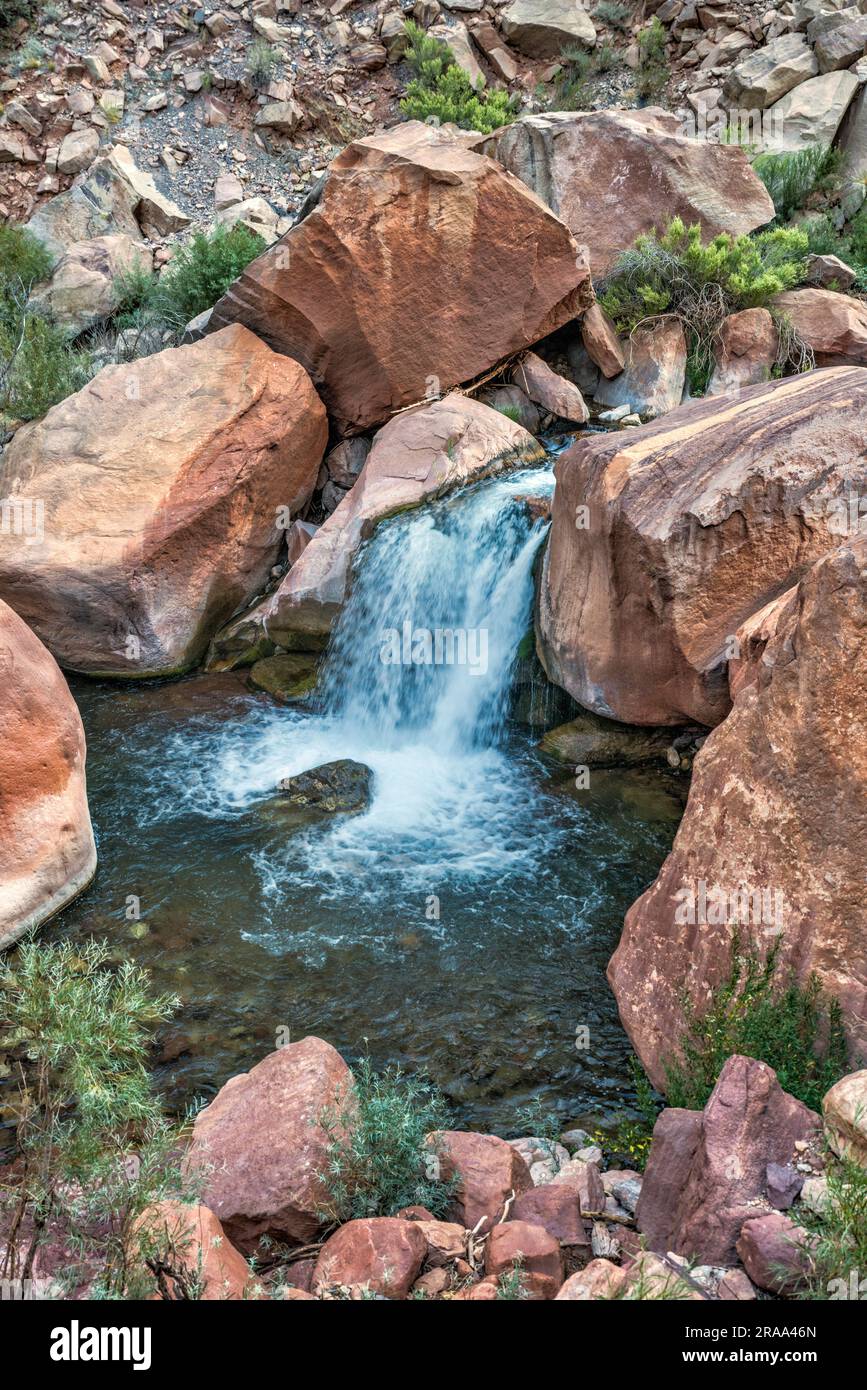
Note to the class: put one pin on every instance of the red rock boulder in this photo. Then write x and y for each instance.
(775, 1253)
(666, 538)
(194, 1257)
(261, 1149)
(47, 851)
(381, 1253)
(529, 1248)
(421, 266)
(165, 487)
(706, 1175)
(772, 839)
(487, 1171)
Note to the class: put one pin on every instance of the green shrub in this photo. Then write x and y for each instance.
(13, 10)
(38, 368)
(653, 70)
(95, 1149)
(757, 1013)
(574, 84)
(442, 89)
(262, 59)
(792, 179)
(836, 1237)
(676, 273)
(383, 1164)
(198, 275)
(628, 1145)
(615, 15)
(24, 260)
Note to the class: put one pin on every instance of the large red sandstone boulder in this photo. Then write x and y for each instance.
(611, 175)
(666, 538)
(261, 1148)
(381, 1253)
(422, 265)
(774, 828)
(833, 325)
(166, 485)
(195, 1258)
(694, 1199)
(422, 453)
(555, 1207)
(47, 852)
(487, 1170)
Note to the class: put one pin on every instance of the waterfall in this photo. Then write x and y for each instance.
(425, 646)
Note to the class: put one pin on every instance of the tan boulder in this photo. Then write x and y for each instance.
(83, 285)
(422, 453)
(611, 175)
(47, 852)
(744, 353)
(190, 1245)
(550, 391)
(834, 325)
(600, 1279)
(166, 486)
(77, 151)
(487, 1170)
(541, 28)
(382, 1254)
(811, 113)
(845, 1113)
(601, 342)
(774, 827)
(654, 371)
(421, 266)
(768, 73)
(260, 1148)
(666, 538)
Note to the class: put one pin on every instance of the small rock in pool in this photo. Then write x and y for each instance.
(341, 786)
(286, 677)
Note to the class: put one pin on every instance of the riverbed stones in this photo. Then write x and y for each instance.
(47, 850)
(600, 1279)
(166, 485)
(791, 758)
(422, 265)
(260, 1148)
(288, 677)
(706, 1174)
(487, 1171)
(611, 175)
(590, 741)
(422, 453)
(666, 538)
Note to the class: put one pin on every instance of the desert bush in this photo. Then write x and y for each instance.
(759, 1011)
(442, 89)
(836, 1237)
(574, 84)
(198, 275)
(96, 1150)
(24, 261)
(675, 272)
(262, 59)
(794, 178)
(383, 1163)
(653, 70)
(614, 14)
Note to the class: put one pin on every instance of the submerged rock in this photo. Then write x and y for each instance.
(289, 676)
(588, 740)
(341, 786)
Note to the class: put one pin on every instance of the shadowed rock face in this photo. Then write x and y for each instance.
(161, 487)
(613, 174)
(47, 853)
(422, 265)
(419, 454)
(691, 524)
(778, 805)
